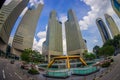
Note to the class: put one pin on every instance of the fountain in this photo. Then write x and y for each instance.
(68, 71)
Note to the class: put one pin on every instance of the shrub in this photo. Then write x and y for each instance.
(22, 67)
(33, 71)
(106, 64)
(112, 60)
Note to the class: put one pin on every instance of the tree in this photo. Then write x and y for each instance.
(89, 56)
(95, 49)
(30, 55)
(116, 41)
(110, 46)
(106, 51)
(37, 57)
(25, 56)
(85, 52)
(109, 42)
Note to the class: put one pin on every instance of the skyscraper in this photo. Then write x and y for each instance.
(103, 30)
(53, 42)
(116, 6)
(8, 16)
(24, 35)
(75, 42)
(112, 25)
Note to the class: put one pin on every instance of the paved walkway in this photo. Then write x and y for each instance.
(111, 73)
(114, 72)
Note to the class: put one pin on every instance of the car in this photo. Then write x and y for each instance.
(25, 66)
(12, 61)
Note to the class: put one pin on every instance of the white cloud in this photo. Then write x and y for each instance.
(98, 9)
(37, 45)
(63, 18)
(41, 34)
(95, 40)
(42, 1)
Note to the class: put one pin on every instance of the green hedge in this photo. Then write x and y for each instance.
(112, 60)
(106, 64)
(33, 71)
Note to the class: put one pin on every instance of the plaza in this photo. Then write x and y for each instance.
(60, 40)
(13, 71)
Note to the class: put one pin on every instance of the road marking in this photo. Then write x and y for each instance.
(3, 74)
(18, 75)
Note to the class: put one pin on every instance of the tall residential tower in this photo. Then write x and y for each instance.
(24, 35)
(75, 43)
(53, 44)
(103, 30)
(8, 16)
(116, 6)
(112, 25)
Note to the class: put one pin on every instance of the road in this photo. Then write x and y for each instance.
(114, 74)
(9, 71)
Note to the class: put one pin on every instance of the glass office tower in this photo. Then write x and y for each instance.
(103, 30)
(116, 6)
(112, 25)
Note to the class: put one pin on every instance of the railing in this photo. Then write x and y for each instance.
(67, 72)
(58, 73)
(85, 71)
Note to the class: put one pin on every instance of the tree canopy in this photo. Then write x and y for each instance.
(95, 49)
(109, 47)
(106, 51)
(89, 56)
(30, 55)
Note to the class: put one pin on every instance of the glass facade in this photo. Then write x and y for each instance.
(103, 30)
(116, 4)
(105, 33)
(112, 25)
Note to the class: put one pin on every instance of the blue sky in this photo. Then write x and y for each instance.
(86, 11)
(61, 7)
